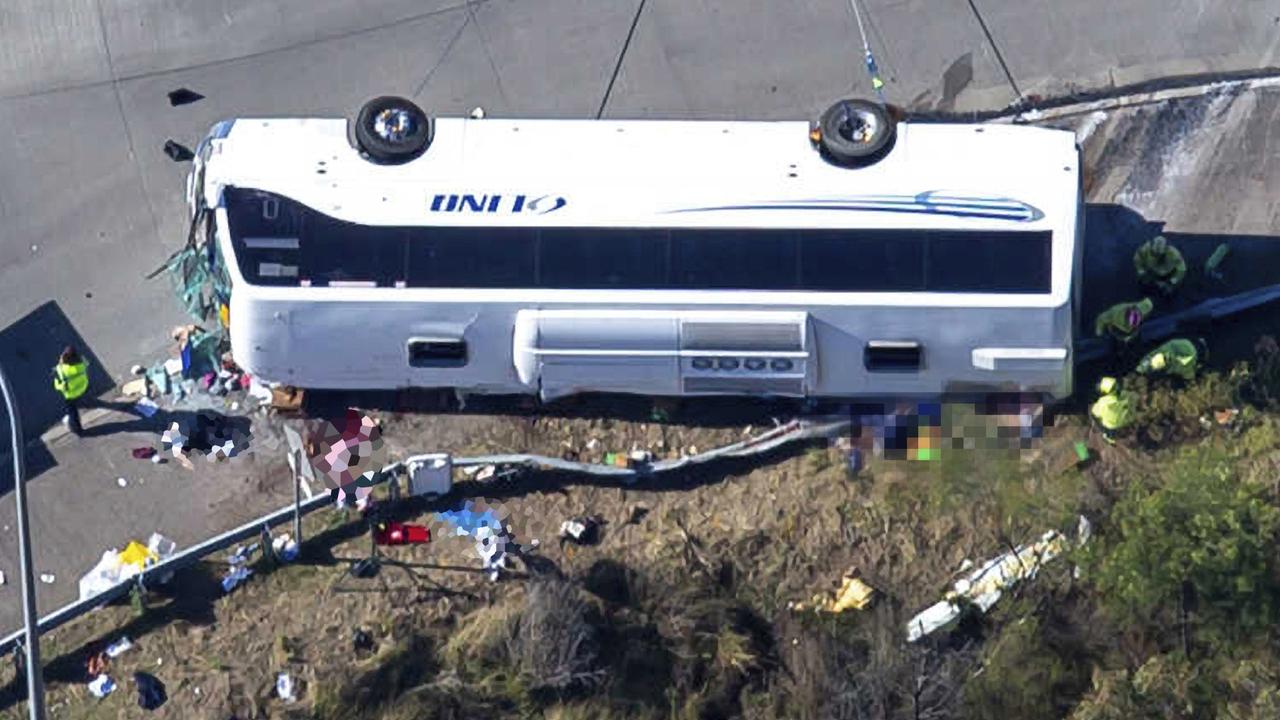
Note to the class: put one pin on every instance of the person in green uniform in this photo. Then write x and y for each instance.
(1159, 265)
(1122, 320)
(1179, 357)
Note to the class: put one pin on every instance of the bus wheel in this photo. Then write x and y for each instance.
(392, 130)
(856, 132)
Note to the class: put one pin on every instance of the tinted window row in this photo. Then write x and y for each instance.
(279, 242)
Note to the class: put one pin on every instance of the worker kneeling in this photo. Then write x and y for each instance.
(1159, 265)
(1178, 357)
(1111, 411)
(1122, 320)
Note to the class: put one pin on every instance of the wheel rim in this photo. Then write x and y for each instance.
(858, 126)
(394, 124)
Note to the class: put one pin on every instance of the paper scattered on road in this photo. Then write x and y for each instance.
(122, 482)
(47, 578)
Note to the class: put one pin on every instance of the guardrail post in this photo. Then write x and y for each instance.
(297, 499)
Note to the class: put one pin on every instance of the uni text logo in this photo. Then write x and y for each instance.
(506, 204)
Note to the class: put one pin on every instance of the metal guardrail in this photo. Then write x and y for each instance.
(181, 560)
(1192, 319)
(776, 437)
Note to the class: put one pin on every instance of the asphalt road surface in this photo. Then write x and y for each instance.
(89, 203)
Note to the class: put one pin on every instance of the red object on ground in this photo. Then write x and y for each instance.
(142, 453)
(394, 533)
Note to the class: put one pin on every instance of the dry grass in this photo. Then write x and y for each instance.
(688, 597)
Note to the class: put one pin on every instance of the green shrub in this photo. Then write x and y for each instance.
(1199, 525)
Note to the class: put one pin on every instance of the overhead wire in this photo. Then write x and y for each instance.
(872, 69)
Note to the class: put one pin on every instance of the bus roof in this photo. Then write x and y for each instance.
(661, 173)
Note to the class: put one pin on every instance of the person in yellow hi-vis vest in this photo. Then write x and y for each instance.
(1112, 411)
(71, 378)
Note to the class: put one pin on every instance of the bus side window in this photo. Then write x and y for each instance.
(596, 258)
(335, 251)
(734, 259)
(472, 257)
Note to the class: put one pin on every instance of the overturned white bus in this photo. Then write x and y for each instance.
(855, 256)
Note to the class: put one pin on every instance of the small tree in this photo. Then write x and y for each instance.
(1200, 538)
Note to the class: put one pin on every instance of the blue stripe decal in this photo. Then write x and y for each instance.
(933, 210)
(929, 203)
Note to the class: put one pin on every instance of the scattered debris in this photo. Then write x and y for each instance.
(241, 554)
(146, 407)
(477, 113)
(1, 577)
(177, 152)
(259, 390)
(581, 530)
(638, 513)
(144, 453)
(285, 548)
(394, 533)
(984, 586)
(1082, 451)
(853, 593)
(366, 568)
(119, 647)
(122, 482)
(102, 686)
(284, 687)
(234, 577)
(286, 398)
(430, 474)
(96, 664)
(361, 640)
(151, 694)
(183, 96)
(47, 578)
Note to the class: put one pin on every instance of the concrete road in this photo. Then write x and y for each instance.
(89, 204)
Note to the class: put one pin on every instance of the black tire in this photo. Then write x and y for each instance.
(840, 135)
(415, 139)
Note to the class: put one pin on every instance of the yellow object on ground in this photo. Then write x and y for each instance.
(853, 593)
(137, 554)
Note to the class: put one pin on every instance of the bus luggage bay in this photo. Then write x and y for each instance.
(554, 257)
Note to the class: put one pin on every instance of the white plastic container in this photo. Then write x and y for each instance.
(430, 475)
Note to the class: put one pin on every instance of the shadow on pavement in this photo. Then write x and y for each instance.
(29, 349)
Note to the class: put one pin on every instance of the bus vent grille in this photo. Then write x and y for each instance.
(728, 336)
(748, 385)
